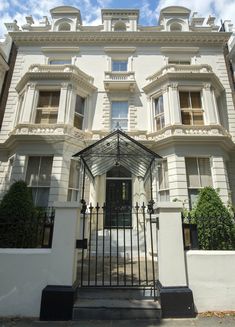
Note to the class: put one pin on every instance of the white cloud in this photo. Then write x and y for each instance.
(91, 9)
(222, 9)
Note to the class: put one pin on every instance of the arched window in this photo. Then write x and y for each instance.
(119, 171)
(176, 27)
(64, 27)
(120, 26)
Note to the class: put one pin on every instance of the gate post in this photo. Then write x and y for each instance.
(175, 296)
(57, 299)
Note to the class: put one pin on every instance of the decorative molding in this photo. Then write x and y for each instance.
(207, 86)
(184, 130)
(174, 86)
(140, 37)
(198, 75)
(119, 49)
(38, 73)
(179, 49)
(60, 49)
(54, 129)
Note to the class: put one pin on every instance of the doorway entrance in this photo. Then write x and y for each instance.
(118, 198)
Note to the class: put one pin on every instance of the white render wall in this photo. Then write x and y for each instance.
(26, 272)
(94, 61)
(212, 280)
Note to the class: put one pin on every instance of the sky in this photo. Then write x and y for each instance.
(90, 9)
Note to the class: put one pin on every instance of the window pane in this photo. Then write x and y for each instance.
(74, 175)
(55, 99)
(45, 117)
(159, 105)
(119, 66)
(197, 118)
(205, 171)
(32, 171)
(45, 171)
(60, 62)
(186, 118)
(163, 175)
(119, 123)
(184, 100)
(193, 195)
(196, 99)
(40, 196)
(78, 121)
(119, 109)
(192, 172)
(44, 99)
(164, 196)
(79, 106)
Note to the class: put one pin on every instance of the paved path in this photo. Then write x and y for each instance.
(228, 321)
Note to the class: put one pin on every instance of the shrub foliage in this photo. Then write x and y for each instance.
(17, 217)
(215, 224)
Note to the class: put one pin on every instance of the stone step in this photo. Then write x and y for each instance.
(100, 303)
(118, 309)
(116, 293)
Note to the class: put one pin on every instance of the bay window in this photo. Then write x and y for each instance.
(47, 108)
(191, 108)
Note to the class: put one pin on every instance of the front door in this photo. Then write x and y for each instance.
(118, 203)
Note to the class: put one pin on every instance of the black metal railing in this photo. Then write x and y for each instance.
(118, 247)
(34, 233)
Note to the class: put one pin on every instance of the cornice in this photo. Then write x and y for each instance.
(72, 73)
(199, 76)
(140, 37)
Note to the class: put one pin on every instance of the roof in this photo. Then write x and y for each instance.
(117, 149)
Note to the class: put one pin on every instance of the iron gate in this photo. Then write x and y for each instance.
(116, 254)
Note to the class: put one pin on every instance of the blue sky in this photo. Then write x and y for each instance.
(90, 9)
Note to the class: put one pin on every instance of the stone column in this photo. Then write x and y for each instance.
(29, 104)
(209, 108)
(174, 104)
(64, 104)
(166, 106)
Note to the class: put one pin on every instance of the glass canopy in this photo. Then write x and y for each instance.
(118, 149)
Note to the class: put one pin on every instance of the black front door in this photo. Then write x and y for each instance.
(118, 203)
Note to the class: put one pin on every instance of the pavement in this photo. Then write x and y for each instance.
(226, 321)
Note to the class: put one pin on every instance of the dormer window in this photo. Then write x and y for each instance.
(64, 27)
(120, 26)
(176, 27)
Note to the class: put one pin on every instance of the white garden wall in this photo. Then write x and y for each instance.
(211, 277)
(25, 272)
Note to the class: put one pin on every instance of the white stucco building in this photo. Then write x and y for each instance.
(166, 86)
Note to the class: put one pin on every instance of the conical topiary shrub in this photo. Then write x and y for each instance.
(17, 217)
(215, 224)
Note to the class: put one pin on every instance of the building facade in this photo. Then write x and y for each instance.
(166, 86)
